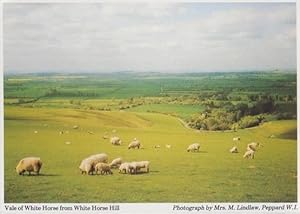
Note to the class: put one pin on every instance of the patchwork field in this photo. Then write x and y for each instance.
(212, 175)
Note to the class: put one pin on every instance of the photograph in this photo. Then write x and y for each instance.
(140, 102)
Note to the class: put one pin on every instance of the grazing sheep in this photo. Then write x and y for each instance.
(135, 167)
(168, 146)
(193, 147)
(236, 139)
(35, 132)
(105, 137)
(116, 162)
(61, 132)
(75, 127)
(29, 164)
(134, 144)
(157, 146)
(89, 132)
(249, 154)
(124, 168)
(67, 143)
(233, 150)
(253, 146)
(87, 165)
(103, 168)
(115, 141)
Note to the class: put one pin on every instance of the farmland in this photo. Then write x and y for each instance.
(151, 107)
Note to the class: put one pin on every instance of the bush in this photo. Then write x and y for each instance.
(249, 121)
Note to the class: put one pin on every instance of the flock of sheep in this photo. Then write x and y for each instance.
(250, 149)
(98, 163)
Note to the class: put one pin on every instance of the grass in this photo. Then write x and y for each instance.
(182, 111)
(212, 175)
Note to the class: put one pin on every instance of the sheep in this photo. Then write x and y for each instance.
(87, 165)
(193, 147)
(116, 162)
(75, 127)
(61, 132)
(236, 139)
(253, 146)
(115, 141)
(29, 164)
(124, 168)
(68, 143)
(134, 167)
(157, 146)
(90, 132)
(168, 146)
(105, 137)
(134, 144)
(249, 154)
(103, 168)
(35, 132)
(233, 150)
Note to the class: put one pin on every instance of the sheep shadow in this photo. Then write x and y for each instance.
(143, 172)
(39, 175)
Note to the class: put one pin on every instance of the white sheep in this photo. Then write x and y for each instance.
(116, 141)
(103, 168)
(75, 127)
(253, 146)
(87, 165)
(124, 168)
(29, 164)
(134, 144)
(35, 132)
(236, 139)
(249, 154)
(134, 167)
(233, 150)
(193, 147)
(168, 146)
(116, 162)
(157, 146)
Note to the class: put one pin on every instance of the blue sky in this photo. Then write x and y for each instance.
(149, 37)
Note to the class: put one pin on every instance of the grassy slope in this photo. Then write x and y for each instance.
(212, 175)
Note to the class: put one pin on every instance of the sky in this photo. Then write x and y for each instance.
(169, 37)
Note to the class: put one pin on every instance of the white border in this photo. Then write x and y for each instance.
(132, 208)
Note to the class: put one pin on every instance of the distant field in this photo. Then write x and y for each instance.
(212, 175)
(183, 111)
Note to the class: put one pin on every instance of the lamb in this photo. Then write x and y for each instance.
(116, 162)
(193, 147)
(253, 146)
(249, 154)
(115, 141)
(236, 139)
(103, 168)
(134, 144)
(233, 150)
(87, 165)
(29, 164)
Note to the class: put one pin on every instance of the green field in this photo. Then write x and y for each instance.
(158, 109)
(212, 175)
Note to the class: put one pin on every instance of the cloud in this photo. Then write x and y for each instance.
(143, 37)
